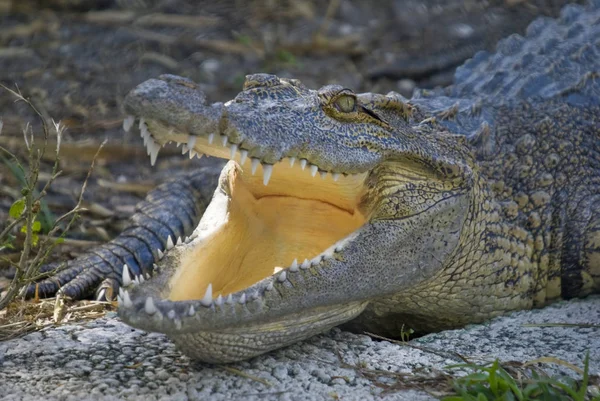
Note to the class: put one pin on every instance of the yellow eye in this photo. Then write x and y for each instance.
(345, 103)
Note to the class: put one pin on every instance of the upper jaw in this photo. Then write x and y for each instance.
(174, 109)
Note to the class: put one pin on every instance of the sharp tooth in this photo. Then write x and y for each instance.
(211, 138)
(147, 276)
(219, 300)
(126, 299)
(267, 171)
(120, 299)
(150, 145)
(128, 123)
(292, 161)
(305, 265)
(191, 311)
(170, 244)
(255, 163)
(184, 149)
(171, 314)
(193, 153)
(198, 155)
(178, 144)
(313, 170)
(142, 126)
(282, 277)
(149, 306)
(232, 149)
(126, 276)
(160, 254)
(153, 151)
(294, 266)
(178, 241)
(242, 299)
(243, 156)
(207, 300)
(136, 280)
(336, 176)
(316, 260)
(141, 278)
(229, 299)
(303, 164)
(121, 292)
(255, 296)
(191, 141)
(269, 286)
(224, 140)
(323, 174)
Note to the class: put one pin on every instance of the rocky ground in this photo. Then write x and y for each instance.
(107, 360)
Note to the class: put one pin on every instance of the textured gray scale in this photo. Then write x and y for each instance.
(553, 57)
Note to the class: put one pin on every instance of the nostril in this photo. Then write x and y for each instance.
(261, 80)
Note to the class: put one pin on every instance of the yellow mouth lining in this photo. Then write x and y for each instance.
(295, 217)
(275, 214)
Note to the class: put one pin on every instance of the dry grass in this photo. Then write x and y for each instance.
(21, 317)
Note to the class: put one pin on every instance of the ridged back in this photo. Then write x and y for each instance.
(557, 57)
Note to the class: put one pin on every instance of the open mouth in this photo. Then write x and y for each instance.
(276, 218)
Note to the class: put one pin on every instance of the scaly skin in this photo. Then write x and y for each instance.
(457, 206)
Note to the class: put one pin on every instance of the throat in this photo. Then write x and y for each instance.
(258, 238)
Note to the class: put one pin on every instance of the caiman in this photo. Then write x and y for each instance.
(367, 210)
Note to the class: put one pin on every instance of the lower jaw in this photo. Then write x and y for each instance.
(245, 238)
(250, 340)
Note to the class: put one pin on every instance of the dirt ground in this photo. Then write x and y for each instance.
(76, 60)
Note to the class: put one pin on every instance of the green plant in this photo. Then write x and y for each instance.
(405, 334)
(45, 218)
(492, 382)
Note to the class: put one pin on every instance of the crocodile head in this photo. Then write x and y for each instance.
(330, 199)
